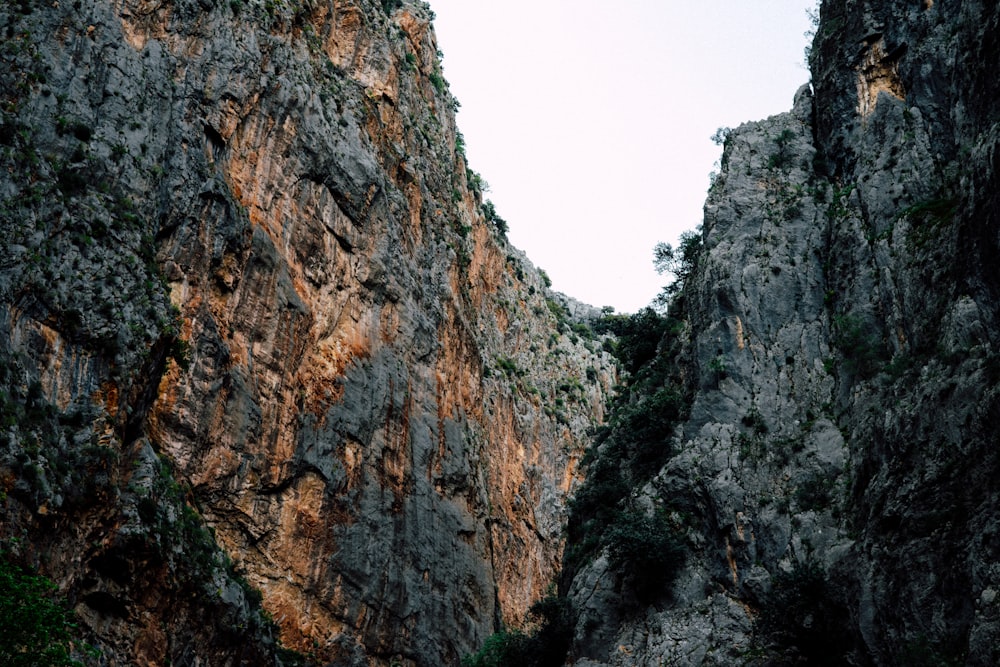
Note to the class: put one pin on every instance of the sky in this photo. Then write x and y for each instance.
(591, 120)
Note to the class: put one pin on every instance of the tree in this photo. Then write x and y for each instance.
(679, 262)
(36, 626)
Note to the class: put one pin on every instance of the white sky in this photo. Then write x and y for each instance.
(591, 119)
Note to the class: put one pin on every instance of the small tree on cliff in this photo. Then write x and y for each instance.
(35, 626)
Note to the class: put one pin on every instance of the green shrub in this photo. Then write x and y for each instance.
(815, 493)
(862, 349)
(639, 336)
(500, 650)
(509, 367)
(635, 441)
(680, 262)
(490, 213)
(783, 157)
(645, 551)
(801, 621)
(37, 627)
(557, 310)
(595, 502)
(546, 646)
(438, 82)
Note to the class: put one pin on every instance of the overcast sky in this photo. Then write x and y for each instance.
(591, 121)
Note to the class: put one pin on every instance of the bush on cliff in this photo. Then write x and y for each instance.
(645, 551)
(546, 646)
(36, 626)
(801, 621)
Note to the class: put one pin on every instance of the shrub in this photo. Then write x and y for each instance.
(37, 627)
(680, 262)
(646, 551)
(815, 493)
(800, 620)
(862, 349)
(440, 85)
(648, 425)
(639, 336)
(782, 158)
(490, 213)
(546, 646)
(500, 650)
(595, 502)
(509, 367)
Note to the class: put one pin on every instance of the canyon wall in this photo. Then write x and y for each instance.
(275, 388)
(835, 482)
(273, 377)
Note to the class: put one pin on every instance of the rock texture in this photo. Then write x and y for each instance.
(837, 472)
(270, 368)
(271, 376)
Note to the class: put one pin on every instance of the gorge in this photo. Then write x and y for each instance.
(275, 388)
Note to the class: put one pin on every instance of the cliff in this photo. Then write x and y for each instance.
(271, 373)
(833, 482)
(275, 388)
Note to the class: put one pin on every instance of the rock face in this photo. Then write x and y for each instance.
(263, 347)
(837, 472)
(271, 376)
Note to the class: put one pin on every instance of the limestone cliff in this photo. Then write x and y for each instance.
(834, 482)
(270, 369)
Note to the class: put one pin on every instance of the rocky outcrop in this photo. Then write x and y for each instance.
(264, 347)
(271, 376)
(835, 479)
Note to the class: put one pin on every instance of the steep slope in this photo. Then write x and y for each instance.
(834, 483)
(261, 334)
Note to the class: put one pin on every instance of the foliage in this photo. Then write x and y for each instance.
(922, 652)
(717, 367)
(783, 155)
(509, 367)
(862, 349)
(558, 311)
(721, 136)
(178, 530)
(815, 493)
(388, 6)
(490, 213)
(440, 85)
(638, 336)
(645, 550)
(810, 34)
(645, 427)
(37, 627)
(546, 646)
(800, 619)
(500, 650)
(679, 262)
(628, 450)
(928, 217)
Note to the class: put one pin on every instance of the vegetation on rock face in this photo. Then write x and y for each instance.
(678, 262)
(800, 621)
(644, 550)
(647, 551)
(628, 450)
(544, 646)
(37, 626)
(636, 439)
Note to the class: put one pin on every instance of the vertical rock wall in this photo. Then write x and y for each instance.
(248, 285)
(836, 478)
